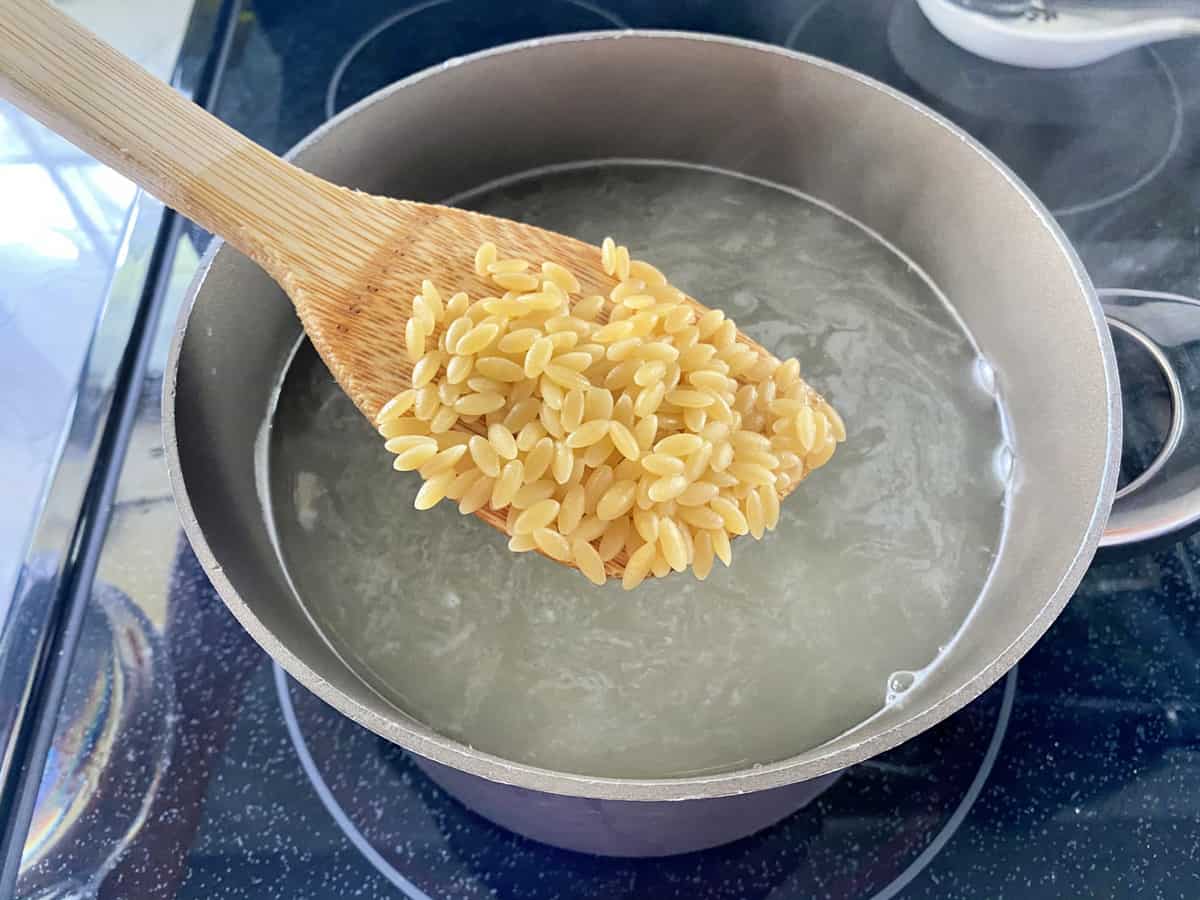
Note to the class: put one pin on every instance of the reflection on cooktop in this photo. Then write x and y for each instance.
(115, 734)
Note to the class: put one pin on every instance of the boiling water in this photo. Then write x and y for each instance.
(877, 560)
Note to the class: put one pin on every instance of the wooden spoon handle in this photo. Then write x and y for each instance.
(100, 100)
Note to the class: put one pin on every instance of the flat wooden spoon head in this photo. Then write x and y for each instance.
(354, 291)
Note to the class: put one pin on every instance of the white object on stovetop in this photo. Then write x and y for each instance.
(1062, 34)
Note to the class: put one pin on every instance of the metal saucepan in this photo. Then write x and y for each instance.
(912, 177)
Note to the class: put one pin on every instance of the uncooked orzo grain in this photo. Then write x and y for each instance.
(655, 434)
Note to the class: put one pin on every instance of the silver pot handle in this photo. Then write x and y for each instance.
(1165, 498)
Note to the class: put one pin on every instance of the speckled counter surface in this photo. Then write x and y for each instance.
(1076, 776)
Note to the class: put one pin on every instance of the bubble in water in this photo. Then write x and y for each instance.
(985, 376)
(1003, 463)
(899, 684)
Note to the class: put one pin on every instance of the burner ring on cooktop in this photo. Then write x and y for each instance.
(802, 21)
(607, 19)
(363, 781)
(1154, 171)
(1082, 139)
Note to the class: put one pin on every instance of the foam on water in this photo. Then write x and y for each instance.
(877, 561)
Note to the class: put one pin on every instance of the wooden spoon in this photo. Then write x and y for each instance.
(349, 261)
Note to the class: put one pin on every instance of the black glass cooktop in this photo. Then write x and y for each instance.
(185, 764)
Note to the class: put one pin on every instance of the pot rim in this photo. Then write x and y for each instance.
(809, 764)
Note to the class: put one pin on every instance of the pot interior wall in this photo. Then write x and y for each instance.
(750, 110)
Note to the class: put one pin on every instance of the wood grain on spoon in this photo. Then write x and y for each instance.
(350, 262)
